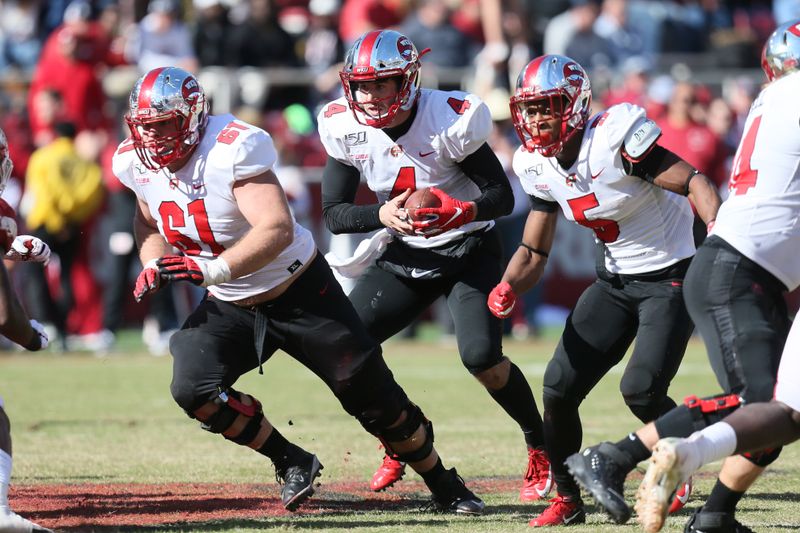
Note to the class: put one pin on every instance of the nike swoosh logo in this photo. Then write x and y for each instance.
(426, 154)
(594, 176)
(568, 519)
(417, 273)
(452, 218)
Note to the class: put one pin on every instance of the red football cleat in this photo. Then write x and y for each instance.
(539, 478)
(390, 472)
(681, 496)
(561, 512)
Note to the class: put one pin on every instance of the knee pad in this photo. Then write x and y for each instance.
(696, 414)
(644, 400)
(479, 356)
(763, 458)
(403, 431)
(230, 407)
(372, 395)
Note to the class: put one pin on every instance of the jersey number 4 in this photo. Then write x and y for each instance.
(744, 176)
(605, 229)
(172, 216)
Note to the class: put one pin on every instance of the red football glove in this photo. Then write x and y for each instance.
(452, 214)
(501, 300)
(180, 267)
(147, 281)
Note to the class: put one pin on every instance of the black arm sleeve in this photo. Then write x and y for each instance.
(339, 187)
(649, 167)
(537, 204)
(497, 198)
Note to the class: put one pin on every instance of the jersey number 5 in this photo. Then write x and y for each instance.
(605, 229)
(172, 217)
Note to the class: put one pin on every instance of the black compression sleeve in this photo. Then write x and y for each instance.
(339, 187)
(497, 198)
(537, 204)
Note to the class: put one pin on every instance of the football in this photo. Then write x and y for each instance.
(419, 199)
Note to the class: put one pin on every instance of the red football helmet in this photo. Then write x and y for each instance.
(382, 54)
(564, 86)
(5, 162)
(166, 94)
(781, 53)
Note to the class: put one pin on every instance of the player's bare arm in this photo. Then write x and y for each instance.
(682, 178)
(526, 266)
(14, 323)
(263, 203)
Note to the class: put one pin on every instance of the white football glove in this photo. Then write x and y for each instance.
(29, 248)
(44, 341)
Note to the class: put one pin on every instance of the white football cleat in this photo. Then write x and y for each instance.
(11, 522)
(664, 475)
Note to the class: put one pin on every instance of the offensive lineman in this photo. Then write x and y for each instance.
(399, 138)
(734, 293)
(205, 185)
(607, 173)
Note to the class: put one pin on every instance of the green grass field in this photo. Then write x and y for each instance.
(78, 419)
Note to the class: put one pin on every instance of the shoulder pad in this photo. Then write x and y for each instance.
(640, 139)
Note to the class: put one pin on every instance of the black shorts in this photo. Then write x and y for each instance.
(313, 321)
(740, 312)
(388, 297)
(608, 316)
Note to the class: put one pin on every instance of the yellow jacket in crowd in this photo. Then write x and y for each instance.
(61, 188)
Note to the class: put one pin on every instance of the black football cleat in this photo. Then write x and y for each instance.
(597, 469)
(707, 522)
(297, 477)
(451, 495)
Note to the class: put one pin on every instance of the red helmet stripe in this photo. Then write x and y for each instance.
(365, 50)
(531, 70)
(147, 85)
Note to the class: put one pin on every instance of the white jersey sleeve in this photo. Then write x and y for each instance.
(528, 168)
(122, 165)
(620, 121)
(334, 145)
(255, 155)
(470, 131)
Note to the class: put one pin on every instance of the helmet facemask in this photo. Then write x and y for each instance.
(392, 103)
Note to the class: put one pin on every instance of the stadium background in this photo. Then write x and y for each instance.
(694, 65)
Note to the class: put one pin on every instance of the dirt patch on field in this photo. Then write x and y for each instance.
(118, 507)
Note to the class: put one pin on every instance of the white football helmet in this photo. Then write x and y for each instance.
(382, 54)
(564, 84)
(781, 53)
(6, 165)
(166, 94)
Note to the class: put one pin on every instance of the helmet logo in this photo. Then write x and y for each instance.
(190, 89)
(405, 48)
(795, 29)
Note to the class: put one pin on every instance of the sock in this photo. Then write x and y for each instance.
(714, 443)
(433, 474)
(517, 400)
(633, 447)
(722, 499)
(275, 447)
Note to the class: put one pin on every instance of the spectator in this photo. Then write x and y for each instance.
(211, 33)
(635, 76)
(428, 26)
(360, 16)
(612, 24)
(260, 41)
(19, 34)
(585, 46)
(563, 27)
(63, 192)
(68, 65)
(161, 39)
(324, 49)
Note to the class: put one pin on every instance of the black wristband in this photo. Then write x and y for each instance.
(535, 250)
(692, 174)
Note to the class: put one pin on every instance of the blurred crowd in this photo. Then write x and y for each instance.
(66, 68)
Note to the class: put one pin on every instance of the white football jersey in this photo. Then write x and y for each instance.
(195, 207)
(644, 227)
(448, 127)
(761, 217)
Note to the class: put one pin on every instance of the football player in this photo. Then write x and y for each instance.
(399, 138)
(206, 187)
(16, 326)
(734, 293)
(607, 173)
